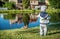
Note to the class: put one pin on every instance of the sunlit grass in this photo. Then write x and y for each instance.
(31, 33)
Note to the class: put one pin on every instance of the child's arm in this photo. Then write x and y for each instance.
(41, 18)
(48, 17)
(38, 15)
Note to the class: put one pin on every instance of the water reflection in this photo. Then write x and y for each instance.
(7, 22)
(1, 15)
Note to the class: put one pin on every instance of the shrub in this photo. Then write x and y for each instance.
(9, 5)
(26, 19)
(54, 13)
(55, 3)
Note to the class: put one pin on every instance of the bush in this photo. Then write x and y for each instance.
(26, 19)
(55, 3)
(16, 11)
(26, 3)
(9, 5)
(54, 17)
(54, 13)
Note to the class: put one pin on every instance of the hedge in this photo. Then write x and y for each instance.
(28, 11)
(54, 3)
(16, 11)
(54, 13)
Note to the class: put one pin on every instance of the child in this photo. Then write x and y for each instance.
(44, 20)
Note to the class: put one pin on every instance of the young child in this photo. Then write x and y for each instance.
(44, 20)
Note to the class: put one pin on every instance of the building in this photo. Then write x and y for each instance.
(18, 3)
(33, 3)
(46, 1)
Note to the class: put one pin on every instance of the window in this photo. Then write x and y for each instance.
(19, 1)
(6, 0)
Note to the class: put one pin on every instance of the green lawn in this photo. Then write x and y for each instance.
(31, 33)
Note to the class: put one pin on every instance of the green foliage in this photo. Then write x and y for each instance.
(26, 19)
(55, 17)
(16, 11)
(9, 5)
(26, 3)
(10, 16)
(54, 13)
(55, 3)
(1, 3)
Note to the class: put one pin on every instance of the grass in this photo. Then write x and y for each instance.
(31, 33)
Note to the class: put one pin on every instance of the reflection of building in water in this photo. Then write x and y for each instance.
(19, 19)
(2, 15)
(33, 17)
(13, 20)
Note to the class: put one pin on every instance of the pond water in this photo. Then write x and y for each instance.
(4, 24)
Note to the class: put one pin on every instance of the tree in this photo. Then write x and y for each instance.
(26, 3)
(9, 5)
(26, 19)
(1, 3)
(55, 3)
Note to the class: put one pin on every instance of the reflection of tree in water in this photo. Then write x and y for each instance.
(10, 16)
(33, 18)
(18, 18)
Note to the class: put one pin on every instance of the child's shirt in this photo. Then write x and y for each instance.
(44, 19)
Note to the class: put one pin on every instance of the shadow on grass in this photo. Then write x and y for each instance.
(54, 27)
(33, 31)
(28, 31)
(54, 33)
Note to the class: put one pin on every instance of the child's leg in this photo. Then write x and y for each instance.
(45, 30)
(41, 30)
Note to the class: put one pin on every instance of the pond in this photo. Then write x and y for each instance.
(4, 24)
